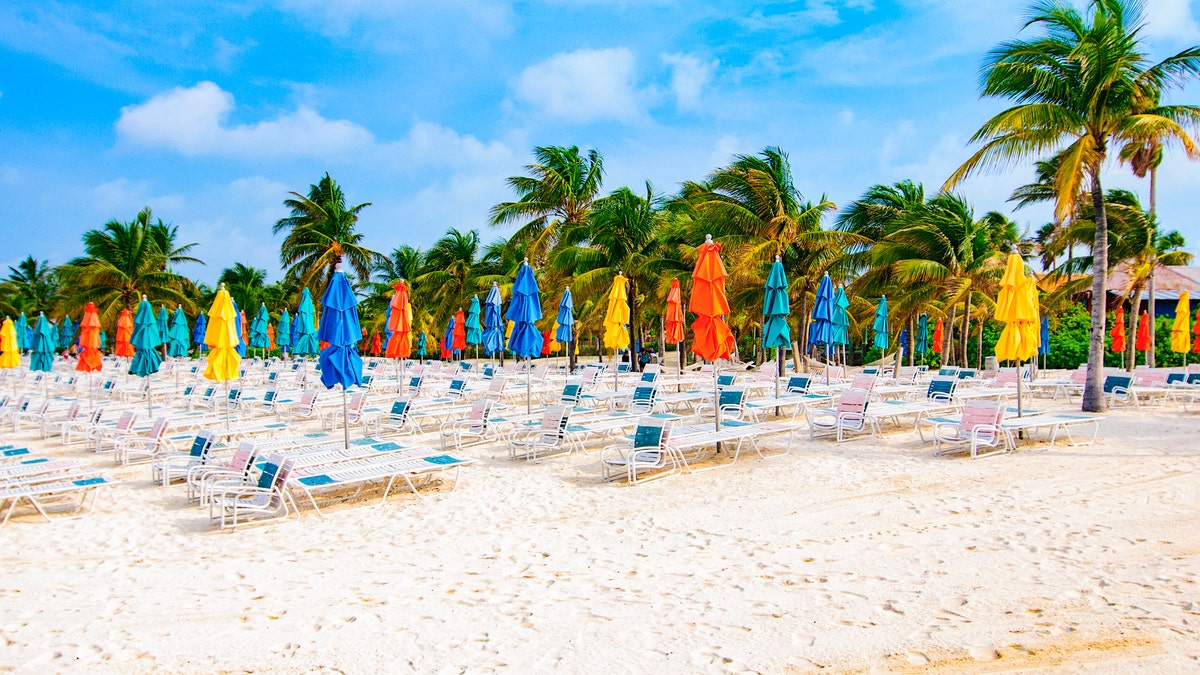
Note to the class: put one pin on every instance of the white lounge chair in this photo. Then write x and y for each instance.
(647, 452)
(978, 428)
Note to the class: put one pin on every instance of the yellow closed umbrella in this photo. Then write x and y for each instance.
(222, 339)
(1017, 307)
(10, 355)
(616, 335)
(1181, 330)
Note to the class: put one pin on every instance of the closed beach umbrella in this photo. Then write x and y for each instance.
(103, 339)
(820, 329)
(777, 334)
(376, 344)
(1017, 308)
(305, 342)
(1118, 332)
(177, 335)
(42, 346)
(673, 321)
(145, 341)
(258, 329)
(881, 324)
(474, 334)
(902, 341)
(493, 331)
(459, 342)
(1196, 332)
(840, 333)
(1142, 343)
(564, 331)
(270, 337)
(66, 333)
(340, 363)
(1044, 338)
(422, 344)
(547, 342)
(89, 341)
(1181, 328)
(524, 311)
(21, 328)
(939, 335)
(198, 333)
(448, 341)
(616, 336)
(711, 338)
(10, 353)
(399, 345)
(921, 345)
(164, 326)
(124, 333)
(221, 337)
(240, 323)
(283, 334)
(55, 335)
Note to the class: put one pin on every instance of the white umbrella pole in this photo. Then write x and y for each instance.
(149, 407)
(226, 404)
(345, 419)
(716, 397)
(616, 372)
(528, 388)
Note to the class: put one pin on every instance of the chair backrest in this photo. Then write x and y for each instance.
(187, 391)
(649, 376)
(706, 369)
(1006, 377)
(465, 366)
(243, 458)
(906, 374)
(948, 371)
(355, 407)
(725, 380)
(643, 399)
(268, 398)
(235, 396)
(853, 401)
(95, 415)
(496, 387)
(1117, 382)
(457, 386)
(1153, 378)
(201, 445)
(1079, 375)
(731, 397)
(622, 367)
(1193, 378)
(414, 384)
(480, 412)
(651, 432)
(158, 429)
(125, 421)
(941, 387)
(870, 370)
(964, 373)
(554, 421)
(982, 412)
(572, 391)
(73, 411)
(1172, 378)
(865, 382)
(399, 412)
(798, 384)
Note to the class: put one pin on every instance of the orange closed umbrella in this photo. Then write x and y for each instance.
(399, 345)
(270, 337)
(939, 335)
(1196, 332)
(673, 321)
(376, 344)
(124, 334)
(712, 338)
(1143, 333)
(1118, 332)
(89, 341)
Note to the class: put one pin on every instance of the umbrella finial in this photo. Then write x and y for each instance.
(221, 286)
(708, 238)
(780, 259)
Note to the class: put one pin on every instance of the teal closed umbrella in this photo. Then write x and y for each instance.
(42, 346)
(921, 344)
(881, 324)
(258, 329)
(283, 333)
(178, 335)
(66, 333)
(23, 332)
(145, 341)
(777, 334)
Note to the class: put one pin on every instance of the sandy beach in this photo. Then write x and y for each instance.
(861, 557)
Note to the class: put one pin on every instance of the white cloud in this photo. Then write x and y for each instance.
(122, 199)
(1171, 19)
(192, 121)
(689, 77)
(583, 86)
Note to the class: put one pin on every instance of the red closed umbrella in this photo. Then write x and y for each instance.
(939, 335)
(547, 338)
(89, 341)
(124, 334)
(458, 341)
(1196, 332)
(1118, 332)
(1143, 333)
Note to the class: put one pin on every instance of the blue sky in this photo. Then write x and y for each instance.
(211, 112)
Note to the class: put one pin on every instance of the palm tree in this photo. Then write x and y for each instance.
(245, 284)
(123, 261)
(320, 233)
(557, 193)
(1080, 85)
(617, 239)
(31, 286)
(450, 274)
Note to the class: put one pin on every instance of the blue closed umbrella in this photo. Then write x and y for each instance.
(474, 329)
(198, 332)
(524, 311)
(283, 332)
(820, 330)
(881, 324)
(304, 337)
(1044, 347)
(340, 328)
(145, 341)
(66, 333)
(922, 343)
(237, 326)
(258, 329)
(177, 336)
(42, 346)
(164, 329)
(448, 338)
(493, 328)
(902, 341)
(23, 332)
(840, 332)
(566, 318)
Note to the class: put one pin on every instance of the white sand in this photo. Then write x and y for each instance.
(864, 557)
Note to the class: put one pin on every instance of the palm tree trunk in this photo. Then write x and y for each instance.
(1153, 263)
(966, 330)
(1093, 389)
(1131, 333)
(633, 328)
